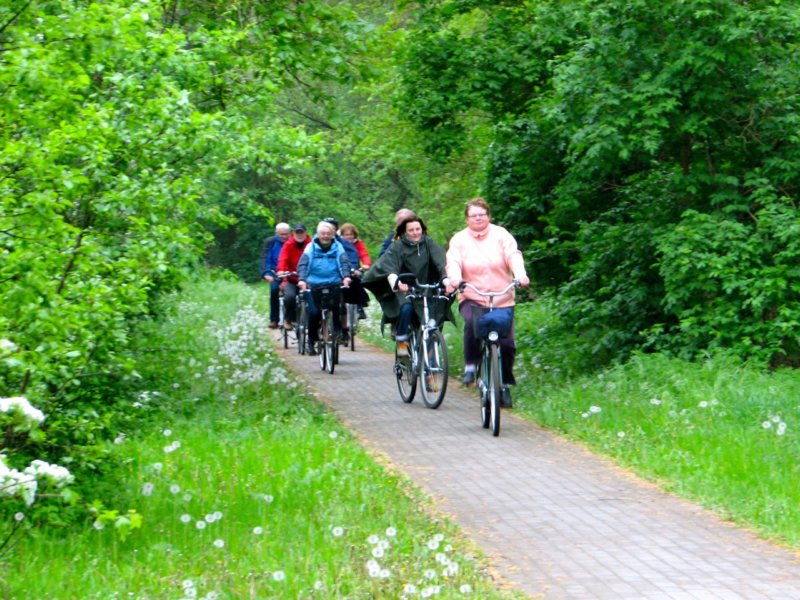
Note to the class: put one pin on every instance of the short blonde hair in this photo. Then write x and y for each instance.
(326, 225)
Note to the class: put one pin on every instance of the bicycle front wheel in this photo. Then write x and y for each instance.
(434, 369)
(405, 369)
(494, 391)
(484, 371)
(330, 342)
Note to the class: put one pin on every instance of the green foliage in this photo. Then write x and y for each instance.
(732, 284)
(631, 114)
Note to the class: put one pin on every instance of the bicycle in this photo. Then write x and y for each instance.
(351, 315)
(327, 342)
(490, 374)
(302, 324)
(427, 350)
(282, 309)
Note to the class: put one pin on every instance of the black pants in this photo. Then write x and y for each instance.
(274, 301)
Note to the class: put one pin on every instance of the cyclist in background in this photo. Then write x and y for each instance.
(269, 264)
(487, 256)
(400, 216)
(287, 263)
(356, 294)
(413, 252)
(324, 263)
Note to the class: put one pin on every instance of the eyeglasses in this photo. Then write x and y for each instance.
(478, 216)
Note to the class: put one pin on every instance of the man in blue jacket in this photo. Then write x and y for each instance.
(269, 265)
(324, 264)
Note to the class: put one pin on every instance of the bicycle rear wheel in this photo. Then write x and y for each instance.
(434, 369)
(494, 391)
(330, 342)
(405, 369)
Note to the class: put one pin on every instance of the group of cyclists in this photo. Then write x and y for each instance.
(482, 254)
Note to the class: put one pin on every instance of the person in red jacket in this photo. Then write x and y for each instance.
(287, 269)
(356, 294)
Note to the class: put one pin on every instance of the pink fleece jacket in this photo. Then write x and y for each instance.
(489, 260)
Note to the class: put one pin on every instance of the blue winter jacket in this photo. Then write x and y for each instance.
(318, 267)
(269, 255)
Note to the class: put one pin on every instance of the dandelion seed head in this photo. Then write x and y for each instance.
(377, 552)
(703, 404)
(766, 424)
(595, 409)
(279, 576)
(373, 539)
(98, 525)
(175, 488)
(147, 489)
(655, 401)
(167, 432)
(337, 531)
(187, 584)
(186, 518)
(258, 530)
(465, 588)
(219, 543)
(776, 418)
(334, 435)
(391, 532)
(268, 498)
(200, 524)
(620, 434)
(19, 516)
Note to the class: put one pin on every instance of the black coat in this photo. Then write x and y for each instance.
(425, 260)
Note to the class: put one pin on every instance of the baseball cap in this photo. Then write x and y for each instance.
(299, 227)
(332, 221)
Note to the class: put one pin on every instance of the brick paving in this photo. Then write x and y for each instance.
(556, 521)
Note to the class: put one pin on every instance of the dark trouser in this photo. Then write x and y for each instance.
(274, 301)
(404, 320)
(355, 294)
(315, 313)
(290, 301)
(471, 311)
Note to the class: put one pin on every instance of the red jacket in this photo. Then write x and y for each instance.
(290, 256)
(363, 254)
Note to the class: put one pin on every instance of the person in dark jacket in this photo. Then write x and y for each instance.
(413, 252)
(269, 265)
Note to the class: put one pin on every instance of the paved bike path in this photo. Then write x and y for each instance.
(556, 521)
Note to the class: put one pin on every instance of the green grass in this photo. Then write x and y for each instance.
(246, 487)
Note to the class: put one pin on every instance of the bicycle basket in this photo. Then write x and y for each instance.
(499, 320)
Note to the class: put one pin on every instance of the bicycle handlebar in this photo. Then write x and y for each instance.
(411, 279)
(514, 284)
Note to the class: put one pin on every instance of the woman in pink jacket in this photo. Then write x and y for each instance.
(486, 256)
